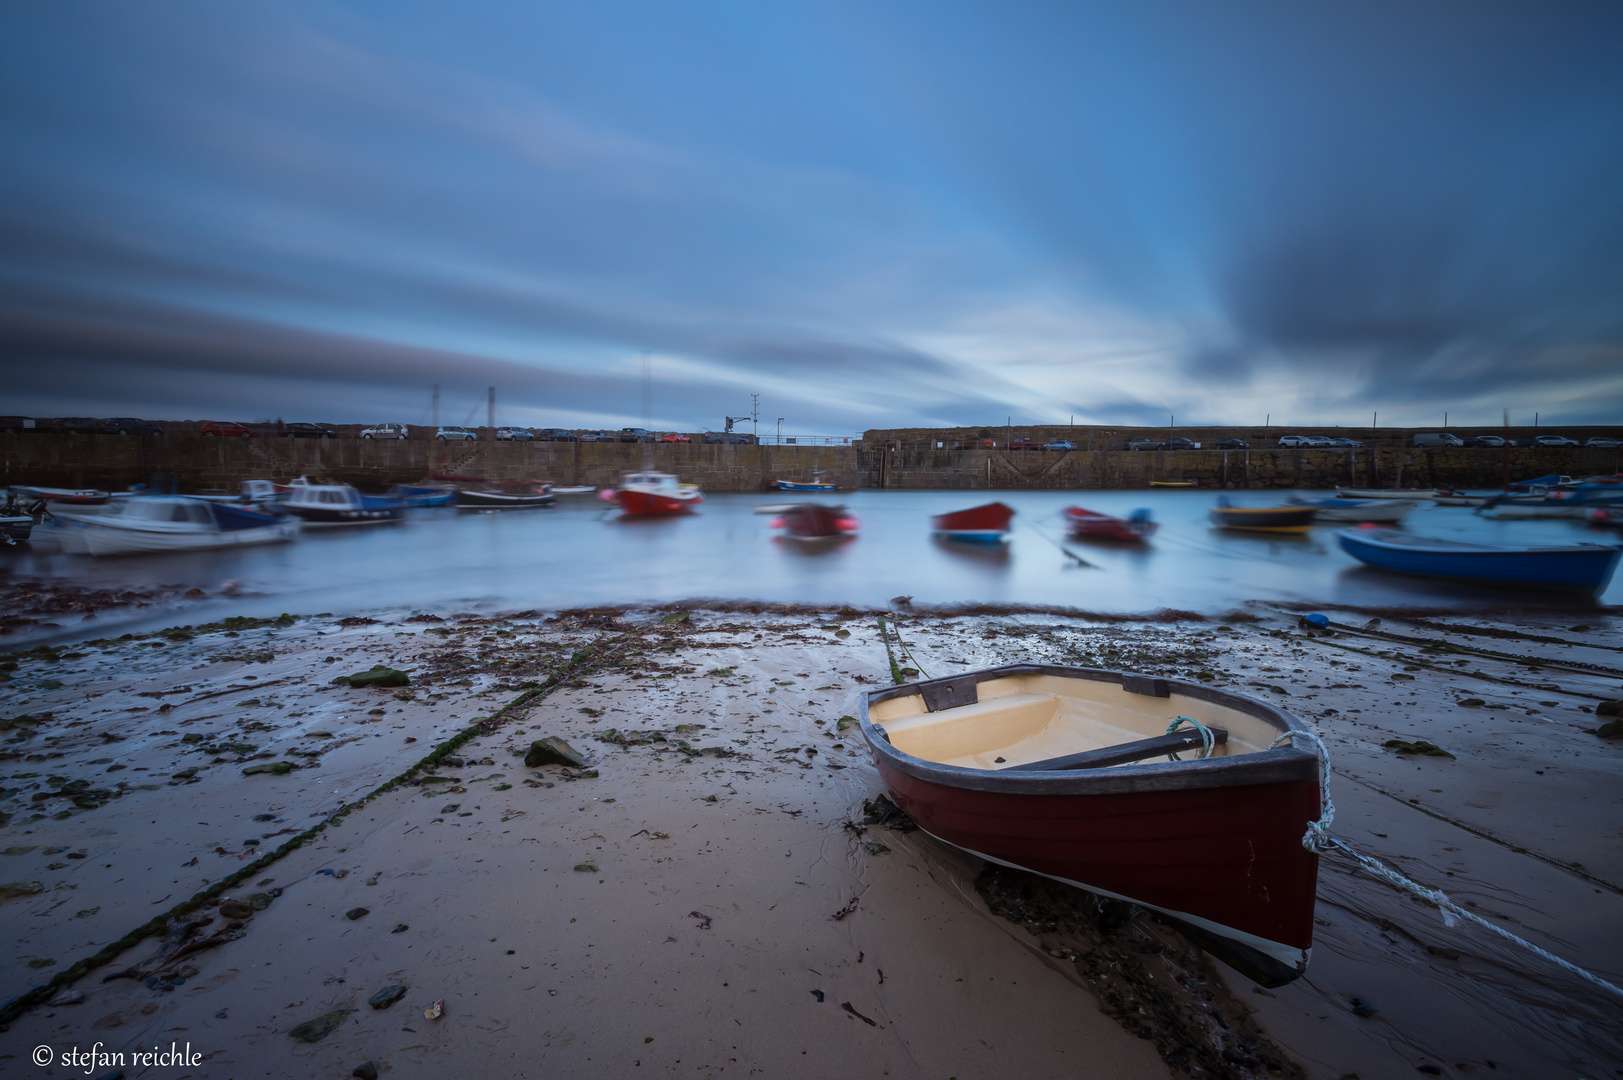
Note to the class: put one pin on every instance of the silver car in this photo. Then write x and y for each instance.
(386, 431)
(455, 434)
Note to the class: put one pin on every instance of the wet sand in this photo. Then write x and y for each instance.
(675, 911)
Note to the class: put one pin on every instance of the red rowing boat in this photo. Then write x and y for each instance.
(1136, 527)
(815, 521)
(982, 524)
(653, 494)
(1043, 768)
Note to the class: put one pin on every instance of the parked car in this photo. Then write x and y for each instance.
(302, 430)
(1601, 442)
(1232, 444)
(386, 431)
(1145, 444)
(226, 428)
(729, 438)
(555, 434)
(1320, 442)
(1288, 441)
(1060, 444)
(1344, 444)
(513, 434)
(674, 437)
(636, 434)
(596, 436)
(77, 425)
(1553, 440)
(1179, 443)
(128, 425)
(455, 434)
(16, 425)
(1441, 438)
(1486, 440)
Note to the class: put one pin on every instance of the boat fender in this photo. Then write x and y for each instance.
(949, 693)
(1321, 621)
(1144, 684)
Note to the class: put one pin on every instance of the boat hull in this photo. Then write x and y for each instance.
(496, 500)
(988, 524)
(319, 517)
(102, 538)
(1090, 524)
(1386, 493)
(816, 485)
(1382, 511)
(652, 504)
(1272, 519)
(1214, 843)
(66, 496)
(1587, 567)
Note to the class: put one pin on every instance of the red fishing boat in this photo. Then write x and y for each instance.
(1047, 769)
(987, 524)
(815, 521)
(1135, 527)
(653, 494)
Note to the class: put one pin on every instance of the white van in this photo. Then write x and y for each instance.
(1439, 438)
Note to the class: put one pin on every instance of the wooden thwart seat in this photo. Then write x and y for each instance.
(1123, 753)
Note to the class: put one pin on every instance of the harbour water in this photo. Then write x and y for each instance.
(581, 553)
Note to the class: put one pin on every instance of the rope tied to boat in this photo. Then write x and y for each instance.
(1318, 840)
(1205, 736)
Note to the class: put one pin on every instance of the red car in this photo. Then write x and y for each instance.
(226, 427)
(674, 436)
(1023, 443)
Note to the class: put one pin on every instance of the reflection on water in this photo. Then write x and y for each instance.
(580, 554)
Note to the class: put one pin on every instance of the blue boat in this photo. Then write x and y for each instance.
(411, 496)
(1568, 566)
(810, 485)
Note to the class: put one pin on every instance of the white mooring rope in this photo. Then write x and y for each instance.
(1318, 839)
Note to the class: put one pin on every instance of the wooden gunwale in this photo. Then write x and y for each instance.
(1283, 764)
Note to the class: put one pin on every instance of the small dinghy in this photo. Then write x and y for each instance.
(1273, 519)
(806, 485)
(60, 497)
(1384, 511)
(1567, 566)
(1385, 493)
(150, 524)
(1134, 528)
(988, 524)
(653, 494)
(332, 505)
(815, 521)
(1172, 483)
(532, 497)
(1073, 773)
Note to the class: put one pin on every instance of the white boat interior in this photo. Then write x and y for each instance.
(1021, 719)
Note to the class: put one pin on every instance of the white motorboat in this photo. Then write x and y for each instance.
(331, 505)
(165, 523)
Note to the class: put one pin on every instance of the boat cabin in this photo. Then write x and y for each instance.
(323, 497)
(657, 480)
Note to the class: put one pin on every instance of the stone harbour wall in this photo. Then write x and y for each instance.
(196, 462)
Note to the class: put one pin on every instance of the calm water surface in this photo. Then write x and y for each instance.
(580, 553)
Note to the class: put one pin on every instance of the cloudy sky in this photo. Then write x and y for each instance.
(871, 214)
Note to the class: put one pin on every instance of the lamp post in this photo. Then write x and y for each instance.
(780, 431)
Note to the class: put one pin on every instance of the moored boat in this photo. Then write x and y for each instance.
(148, 524)
(416, 496)
(815, 521)
(331, 505)
(1136, 527)
(1172, 483)
(60, 497)
(1386, 511)
(1565, 566)
(653, 494)
(531, 498)
(806, 485)
(987, 524)
(1051, 770)
(1385, 493)
(1605, 515)
(1273, 519)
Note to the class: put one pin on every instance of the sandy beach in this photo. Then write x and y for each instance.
(709, 893)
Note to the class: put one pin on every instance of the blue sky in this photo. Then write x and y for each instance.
(870, 214)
